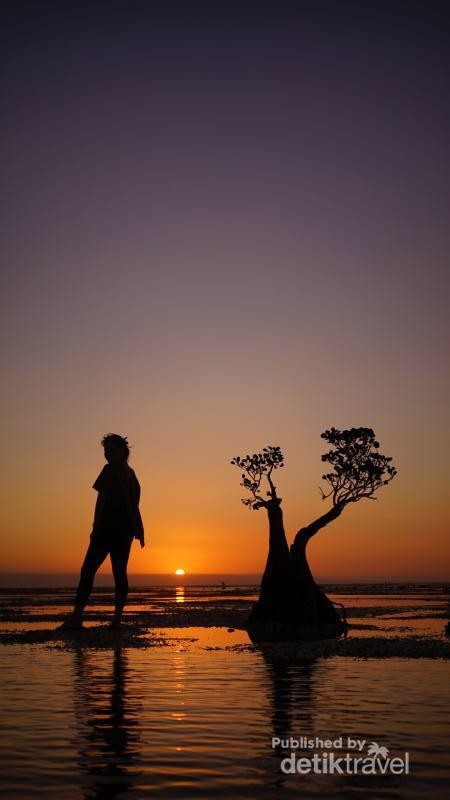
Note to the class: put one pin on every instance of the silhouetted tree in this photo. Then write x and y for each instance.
(290, 602)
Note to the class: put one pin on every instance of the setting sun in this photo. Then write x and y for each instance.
(179, 572)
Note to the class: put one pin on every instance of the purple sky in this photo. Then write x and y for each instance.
(224, 225)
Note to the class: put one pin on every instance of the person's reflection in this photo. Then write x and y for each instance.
(107, 719)
(291, 704)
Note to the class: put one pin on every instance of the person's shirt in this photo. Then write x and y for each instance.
(120, 491)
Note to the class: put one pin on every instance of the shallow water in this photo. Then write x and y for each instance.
(369, 615)
(190, 723)
(196, 718)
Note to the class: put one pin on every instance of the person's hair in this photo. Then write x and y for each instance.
(120, 442)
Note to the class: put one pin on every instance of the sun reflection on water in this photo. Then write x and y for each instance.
(179, 594)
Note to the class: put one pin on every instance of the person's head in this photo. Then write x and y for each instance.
(116, 448)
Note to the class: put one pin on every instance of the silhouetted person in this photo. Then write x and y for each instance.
(117, 521)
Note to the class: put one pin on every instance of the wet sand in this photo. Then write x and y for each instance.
(384, 622)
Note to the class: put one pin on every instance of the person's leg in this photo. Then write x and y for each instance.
(96, 553)
(120, 552)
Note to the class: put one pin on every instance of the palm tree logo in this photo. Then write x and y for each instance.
(375, 750)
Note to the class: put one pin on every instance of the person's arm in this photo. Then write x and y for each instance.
(141, 536)
(135, 514)
(130, 491)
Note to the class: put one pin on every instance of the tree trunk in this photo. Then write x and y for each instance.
(290, 604)
(276, 585)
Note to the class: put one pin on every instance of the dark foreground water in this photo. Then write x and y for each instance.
(188, 720)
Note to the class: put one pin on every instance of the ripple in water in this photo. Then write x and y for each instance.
(154, 723)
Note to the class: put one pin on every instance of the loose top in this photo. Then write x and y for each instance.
(120, 491)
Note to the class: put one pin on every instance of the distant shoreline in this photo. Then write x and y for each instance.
(148, 580)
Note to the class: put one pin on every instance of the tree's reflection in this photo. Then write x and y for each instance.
(107, 717)
(290, 693)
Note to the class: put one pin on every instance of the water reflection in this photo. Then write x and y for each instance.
(291, 696)
(179, 688)
(179, 594)
(107, 717)
(290, 691)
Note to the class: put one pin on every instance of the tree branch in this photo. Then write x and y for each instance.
(273, 491)
(305, 534)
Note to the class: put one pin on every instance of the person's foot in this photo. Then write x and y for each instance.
(115, 624)
(72, 623)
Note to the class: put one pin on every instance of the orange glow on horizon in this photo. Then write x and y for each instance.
(49, 503)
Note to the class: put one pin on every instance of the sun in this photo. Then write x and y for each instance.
(180, 572)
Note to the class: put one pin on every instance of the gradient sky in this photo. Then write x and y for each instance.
(225, 225)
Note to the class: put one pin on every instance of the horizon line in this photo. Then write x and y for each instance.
(378, 579)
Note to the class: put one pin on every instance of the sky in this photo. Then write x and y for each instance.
(224, 225)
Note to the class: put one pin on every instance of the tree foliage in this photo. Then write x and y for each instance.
(359, 469)
(256, 475)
